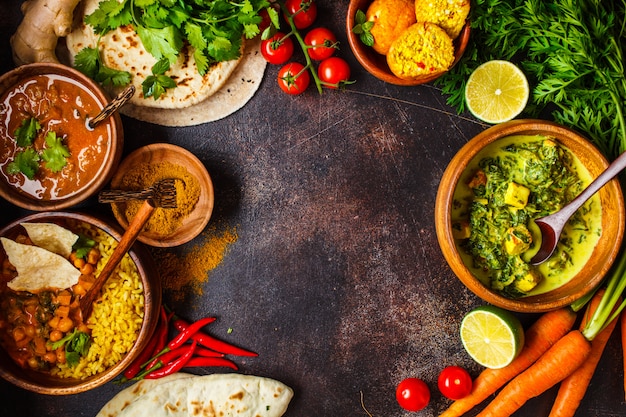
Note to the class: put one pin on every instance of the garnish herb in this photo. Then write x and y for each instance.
(571, 52)
(26, 162)
(155, 85)
(55, 153)
(363, 28)
(76, 345)
(89, 63)
(82, 246)
(27, 132)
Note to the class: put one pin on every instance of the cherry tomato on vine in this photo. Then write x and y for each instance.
(265, 20)
(293, 78)
(277, 49)
(454, 382)
(412, 394)
(333, 70)
(322, 41)
(305, 17)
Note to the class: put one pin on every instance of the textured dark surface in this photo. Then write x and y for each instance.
(336, 278)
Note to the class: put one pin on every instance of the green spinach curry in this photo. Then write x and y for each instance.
(508, 184)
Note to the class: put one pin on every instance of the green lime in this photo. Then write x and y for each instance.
(496, 91)
(492, 336)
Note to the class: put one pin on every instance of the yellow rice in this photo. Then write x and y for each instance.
(117, 316)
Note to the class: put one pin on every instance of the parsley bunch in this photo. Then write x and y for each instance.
(570, 50)
(213, 28)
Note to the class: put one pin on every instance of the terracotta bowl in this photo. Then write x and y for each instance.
(19, 190)
(192, 224)
(376, 64)
(46, 384)
(604, 253)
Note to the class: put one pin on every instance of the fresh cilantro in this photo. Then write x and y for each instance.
(155, 85)
(27, 132)
(82, 246)
(88, 62)
(56, 153)
(76, 345)
(363, 28)
(26, 162)
(161, 42)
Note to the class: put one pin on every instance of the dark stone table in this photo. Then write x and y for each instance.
(336, 278)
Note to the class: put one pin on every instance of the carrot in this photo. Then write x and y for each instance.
(563, 358)
(573, 388)
(545, 332)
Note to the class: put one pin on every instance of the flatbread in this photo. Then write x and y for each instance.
(221, 92)
(37, 268)
(52, 237)
(209, 395)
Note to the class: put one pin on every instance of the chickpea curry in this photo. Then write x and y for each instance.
(40, 329)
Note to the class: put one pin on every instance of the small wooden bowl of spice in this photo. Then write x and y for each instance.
(194, 193)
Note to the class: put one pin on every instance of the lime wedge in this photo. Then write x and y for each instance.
(493, 337)
(496, 92)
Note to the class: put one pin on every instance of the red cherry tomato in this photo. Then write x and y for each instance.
(304, 12)
(412, 394)
(454, 382)
(265, 20)
(293, 78)
(277, 49)
(333, 70)
(322, 41)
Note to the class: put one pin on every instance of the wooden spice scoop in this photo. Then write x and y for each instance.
(113, 106)
(162, 194)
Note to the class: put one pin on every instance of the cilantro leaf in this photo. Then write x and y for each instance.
(76, 345)
(164, 42)
(82, 246)
(26, 133)
(161, 67)
(112, 77)
(156, 84)
(87, 61)
(25, 162)
(55, 153)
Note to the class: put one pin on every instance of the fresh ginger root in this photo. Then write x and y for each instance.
(36, 37)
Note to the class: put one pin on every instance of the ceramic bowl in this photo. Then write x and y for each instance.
(376, 64)
(604, 253)
(103, 145)
(193, 223)
(44, 383)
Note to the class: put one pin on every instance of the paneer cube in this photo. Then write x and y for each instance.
(517, 240)
(516, 195)
(526, 283)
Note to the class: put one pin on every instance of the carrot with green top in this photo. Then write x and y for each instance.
(545, 332)
(573, 388)
(563, 358)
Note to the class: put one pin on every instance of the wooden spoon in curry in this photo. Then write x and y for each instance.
(162, 194)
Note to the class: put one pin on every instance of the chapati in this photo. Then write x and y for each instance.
(52, 237)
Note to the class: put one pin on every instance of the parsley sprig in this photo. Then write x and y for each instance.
(570, 50)
(76, 345)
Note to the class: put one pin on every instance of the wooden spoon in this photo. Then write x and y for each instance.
(163, 194)
(551, 226)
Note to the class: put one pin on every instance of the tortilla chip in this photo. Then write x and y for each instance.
(210, 395)
(37, 268)
(52, 237)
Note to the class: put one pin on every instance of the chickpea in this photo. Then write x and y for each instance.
(93, 256)
(19, 334)
(50, 357)
(30, 330)
(83, 328)
(56, 335)
(60, 355)
(79, 263)
(33, 362)
(87, 269)
(78, 289)
(65, 324)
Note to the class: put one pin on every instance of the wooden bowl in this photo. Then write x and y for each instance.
(46, 384)
(604, 253)
(36, 194)
(192, 224)
(376, 64)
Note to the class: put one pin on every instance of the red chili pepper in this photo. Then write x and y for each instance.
(162, 331)
(136, 365)
(198, 361)
(173, 366)
(208, 353)
(185, 334)
(213, 343)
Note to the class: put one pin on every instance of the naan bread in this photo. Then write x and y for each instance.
(122, 49)
(52, 237)
(210, 395)
(38, 268)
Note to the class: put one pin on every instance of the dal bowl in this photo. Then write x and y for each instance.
(143, 328)
(462, 168)
(71, 168)
(195, 197)
(376, 64)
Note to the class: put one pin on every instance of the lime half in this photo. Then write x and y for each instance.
(496, 92)
(493, 337)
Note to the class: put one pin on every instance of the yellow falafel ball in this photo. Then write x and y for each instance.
(390, 17)
(449, 14)
(422, 49)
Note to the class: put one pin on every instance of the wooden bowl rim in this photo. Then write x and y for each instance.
(553, 299)
(152, 302)
(14, 196)
(376, 64)
(197, 220)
